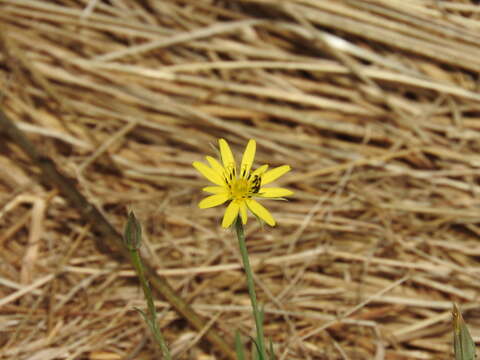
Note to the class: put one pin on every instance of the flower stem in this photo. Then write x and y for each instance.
(257, 314)
(133, 240)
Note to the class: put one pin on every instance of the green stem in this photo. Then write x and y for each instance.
(133, 240)
(251, 287)
(151, 312)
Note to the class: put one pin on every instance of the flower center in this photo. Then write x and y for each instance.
(243, 186)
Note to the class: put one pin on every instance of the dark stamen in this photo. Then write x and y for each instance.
(256, 183)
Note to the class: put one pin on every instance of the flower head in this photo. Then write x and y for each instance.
(240, 185)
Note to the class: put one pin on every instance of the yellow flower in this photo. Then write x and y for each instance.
(240, 187)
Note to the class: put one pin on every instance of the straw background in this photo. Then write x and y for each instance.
(374, 104)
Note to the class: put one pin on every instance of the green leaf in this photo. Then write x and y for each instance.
(239, 347)
(256, 352)
(463, 345)
(272, 353)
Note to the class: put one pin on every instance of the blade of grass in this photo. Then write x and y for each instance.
(463, 345)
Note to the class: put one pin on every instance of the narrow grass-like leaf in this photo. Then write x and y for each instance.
(272, 353)
(463, 345)
(256, 355)
(239, 346)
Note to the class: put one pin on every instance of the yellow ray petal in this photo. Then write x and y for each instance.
(213, 200)
(226, 154)
(259, 210)
(274, 192)
(209, 173)
(231, 214)
(248, 157)
(260, 170)
(243, 212)
(215, 189)
(274, 174)
(215, 164)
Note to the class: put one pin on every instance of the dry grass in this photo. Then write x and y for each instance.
(375, 104)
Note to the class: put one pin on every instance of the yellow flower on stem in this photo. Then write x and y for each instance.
(240, 186)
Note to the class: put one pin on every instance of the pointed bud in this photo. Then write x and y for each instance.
(463, 344)
(133, 232)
